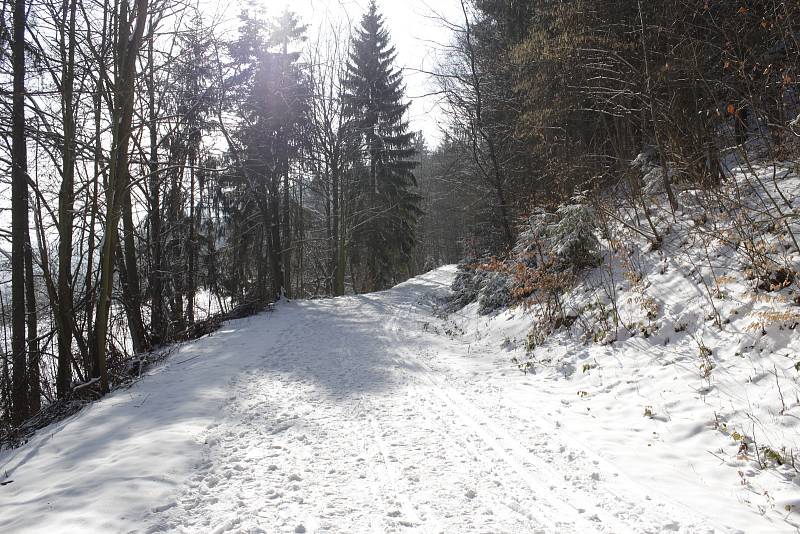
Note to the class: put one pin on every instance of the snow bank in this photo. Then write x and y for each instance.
(104, 468)
(678, 364)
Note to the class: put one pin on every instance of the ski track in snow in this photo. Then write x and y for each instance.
(345, 428)
(340, 417)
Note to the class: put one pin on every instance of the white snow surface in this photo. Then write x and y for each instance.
(370, 414)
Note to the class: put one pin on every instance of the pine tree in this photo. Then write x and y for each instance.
(272, 114)
(195, 101)
(285, 31)
(373, 102)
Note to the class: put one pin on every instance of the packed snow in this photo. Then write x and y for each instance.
(374, 413)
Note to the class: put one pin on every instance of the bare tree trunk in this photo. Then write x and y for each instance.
(133, 306)
(5, 390)
(128, 43)
(175, 253)
(673, 203)
(95, 195)
(286, 251)
(301, 234)
(19, 218)
(64, 305)
(98, 174)
(157, 325)
(497, 178)
(339, 253)
(273, 222)
(191, 275)
(341, 264)
(261, 276)
(34, 374)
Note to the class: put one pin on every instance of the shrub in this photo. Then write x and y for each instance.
(488, 283)
(465, 287)
(495, 292)
(574, 236)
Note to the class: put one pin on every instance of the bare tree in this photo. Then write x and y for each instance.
(19, 216)
(130, 26)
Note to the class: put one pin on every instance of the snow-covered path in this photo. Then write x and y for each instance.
(347, 415)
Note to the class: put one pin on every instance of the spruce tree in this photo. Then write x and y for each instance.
(374, 104)
(195, 101)
(272, 112)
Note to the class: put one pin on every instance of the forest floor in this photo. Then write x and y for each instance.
(360, 414)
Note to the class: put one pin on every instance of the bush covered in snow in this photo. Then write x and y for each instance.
(465, 287)
(551, 247)
(495, 292)
(533, 243)
(566, 239)
(573, 236)
(489, 286)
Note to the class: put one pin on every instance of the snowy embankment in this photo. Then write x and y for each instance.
(370, 414)
(678, 361)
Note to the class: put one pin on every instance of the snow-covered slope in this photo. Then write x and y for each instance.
(369, 414)
(677, 360)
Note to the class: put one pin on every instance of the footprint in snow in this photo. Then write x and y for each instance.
(164, 507)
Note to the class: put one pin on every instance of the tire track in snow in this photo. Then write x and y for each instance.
(542, 483)
(609, 511)
(588, 518)
(535, 518)
(433, 471)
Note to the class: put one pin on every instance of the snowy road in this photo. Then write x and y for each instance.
(358, 414)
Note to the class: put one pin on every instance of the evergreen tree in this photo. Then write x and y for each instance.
(195, 101)
(272, 114)
(373, 102)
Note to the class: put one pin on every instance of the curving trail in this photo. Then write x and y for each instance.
(333, 416)
(347, 425)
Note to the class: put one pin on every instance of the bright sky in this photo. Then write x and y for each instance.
(414, 30)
